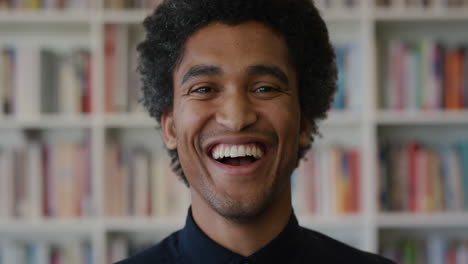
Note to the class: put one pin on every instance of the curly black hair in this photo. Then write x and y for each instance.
(297, 21)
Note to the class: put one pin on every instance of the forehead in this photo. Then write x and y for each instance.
(235, 47)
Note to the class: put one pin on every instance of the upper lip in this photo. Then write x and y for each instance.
(264, 143)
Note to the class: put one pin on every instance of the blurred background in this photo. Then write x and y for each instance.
(84, 177)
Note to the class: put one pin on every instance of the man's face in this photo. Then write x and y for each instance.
(236, 120)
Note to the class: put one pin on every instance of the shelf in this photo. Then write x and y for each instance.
(144, 224)
(47, 16)
(54, 226)
(46, 121)
(125, 17)
(129, 120)
(419, 14)
(422, 118)
(351, 221)
(408, 220)
(342, 15)
(342, 118)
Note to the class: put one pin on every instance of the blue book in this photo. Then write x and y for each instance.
(88, 253)
(31, 253)
(339, 102)
(448, 194)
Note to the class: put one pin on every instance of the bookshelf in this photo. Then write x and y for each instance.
(366, 25)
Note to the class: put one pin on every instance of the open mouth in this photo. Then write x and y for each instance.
(237, 155)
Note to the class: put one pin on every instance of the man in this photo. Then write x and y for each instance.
(237, 87)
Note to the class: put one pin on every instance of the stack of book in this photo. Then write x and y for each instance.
(426, 75)
(422, 178)
(128, 4)
(336, 3)
(48, 180)
(44, 4)
(67, 252)
(122, 82)
(433, 250)
(349, 95)
(121, 247)
(142, 184)
(422, 3)
(57, 82)
(455, 3)
(408, 3)
(328, 182)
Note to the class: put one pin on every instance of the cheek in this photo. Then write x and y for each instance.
(191, 118)
(286, 119)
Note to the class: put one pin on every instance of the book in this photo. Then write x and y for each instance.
(44, 4)
(68, 86)
(6, 184)
(423, 178)
(140, 4)
(425, 75)
(431, 249)
(328, 181)
(27, 89)
(348, 95)
(45, 252)
(143, 184)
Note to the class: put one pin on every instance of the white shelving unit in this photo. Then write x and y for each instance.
(362, 24)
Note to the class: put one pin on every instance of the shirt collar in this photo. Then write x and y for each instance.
(196, 247)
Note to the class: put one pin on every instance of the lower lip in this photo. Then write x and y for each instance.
(240, 170)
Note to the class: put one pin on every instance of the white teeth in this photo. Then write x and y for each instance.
(227, 151)
(241, 151)
(234, 152)
(222, 151)
(248, 151)
(259, 154)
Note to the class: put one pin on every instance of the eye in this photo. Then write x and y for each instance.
(265, 89)
(202, 90)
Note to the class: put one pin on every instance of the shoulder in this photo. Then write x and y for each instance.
(321, 246)
(165, 251)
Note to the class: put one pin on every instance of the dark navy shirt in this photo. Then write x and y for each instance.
(293, 245)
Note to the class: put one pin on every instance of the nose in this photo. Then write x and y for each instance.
(236, 111)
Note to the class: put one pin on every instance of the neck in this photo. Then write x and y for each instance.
(246, 237)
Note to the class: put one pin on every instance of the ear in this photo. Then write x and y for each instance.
(304, 133)
(168, 130)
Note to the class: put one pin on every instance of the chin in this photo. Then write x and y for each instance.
(243, 209)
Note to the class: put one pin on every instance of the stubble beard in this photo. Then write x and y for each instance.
(244, 209)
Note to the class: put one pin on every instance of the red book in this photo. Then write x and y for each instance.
(458, 79)
(463, 82)
(86, 102)
(451, 257)
(453, 76)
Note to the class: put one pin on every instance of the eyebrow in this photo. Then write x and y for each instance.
(199, 70)
(262, 69)
(258, 70)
